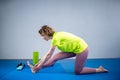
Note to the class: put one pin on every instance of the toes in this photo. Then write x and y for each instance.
(103, 69)
(28, 63)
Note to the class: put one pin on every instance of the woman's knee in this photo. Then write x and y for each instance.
(78, 71)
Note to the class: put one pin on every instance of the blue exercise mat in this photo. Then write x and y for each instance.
(62, 70)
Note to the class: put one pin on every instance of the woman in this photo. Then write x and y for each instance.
(70, 46)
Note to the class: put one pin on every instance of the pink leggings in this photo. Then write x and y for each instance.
(79, 62)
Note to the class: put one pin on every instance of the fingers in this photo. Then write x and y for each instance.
(34, 69)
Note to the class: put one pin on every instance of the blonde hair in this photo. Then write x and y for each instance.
(46, 30)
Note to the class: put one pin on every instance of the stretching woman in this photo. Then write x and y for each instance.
(70, 46)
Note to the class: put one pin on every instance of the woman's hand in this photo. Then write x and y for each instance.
(39, 65)
(35, 69)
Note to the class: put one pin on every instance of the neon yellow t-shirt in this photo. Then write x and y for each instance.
(67, 42)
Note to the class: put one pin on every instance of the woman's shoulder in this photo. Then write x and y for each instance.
(63, 32)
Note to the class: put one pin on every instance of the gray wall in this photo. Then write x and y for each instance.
(97, 21)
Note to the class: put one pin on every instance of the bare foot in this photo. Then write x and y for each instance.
(102, 69)
(31, 66)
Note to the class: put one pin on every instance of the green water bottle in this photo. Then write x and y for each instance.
(35, 57)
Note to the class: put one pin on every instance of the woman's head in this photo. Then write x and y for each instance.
(46, 32)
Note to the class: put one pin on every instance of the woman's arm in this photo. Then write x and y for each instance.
(46, 57)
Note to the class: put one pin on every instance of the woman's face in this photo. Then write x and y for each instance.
(45, 37)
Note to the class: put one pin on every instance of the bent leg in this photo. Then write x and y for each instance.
(58, 56)
(79, 63)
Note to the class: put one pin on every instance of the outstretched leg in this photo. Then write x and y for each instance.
(58, 56)
(50, 62)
